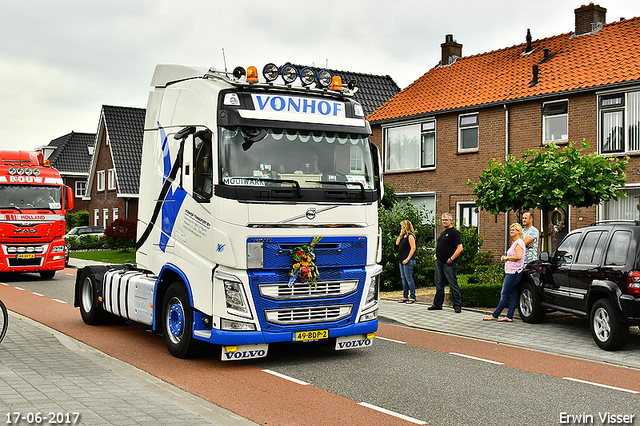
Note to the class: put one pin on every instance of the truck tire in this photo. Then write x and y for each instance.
(87, 295)
(177, 322)
(606, 328)
(529, 305)
(47, 275)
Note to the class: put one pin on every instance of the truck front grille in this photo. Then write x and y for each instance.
(308, 315)
(281, 291)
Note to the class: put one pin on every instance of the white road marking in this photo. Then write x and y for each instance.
(601, 385)
(391, 340)
(283, 376)
(476, 358)
(61, 301)
(392, 413)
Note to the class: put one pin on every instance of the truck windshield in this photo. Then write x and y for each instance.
(312, 159)
(30, 197)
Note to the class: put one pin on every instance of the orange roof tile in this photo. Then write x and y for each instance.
(605, 58)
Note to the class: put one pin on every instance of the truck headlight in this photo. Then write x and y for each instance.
(236, 299)
(372, 291)
(57, 249)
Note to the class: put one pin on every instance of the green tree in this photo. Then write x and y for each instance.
(550, 177)
(423, 222)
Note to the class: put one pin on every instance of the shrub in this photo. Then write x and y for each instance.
(87, 242)
(480, 295)
(79, 218)
(121, 234)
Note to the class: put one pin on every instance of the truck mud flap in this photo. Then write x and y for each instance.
(240, 352)
(353, 342)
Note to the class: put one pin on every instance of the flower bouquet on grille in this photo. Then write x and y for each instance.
(303, 266)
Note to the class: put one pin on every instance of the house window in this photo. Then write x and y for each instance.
(115, 214)
(467, 215)
(111, 179)
(96, 217)
(555, 121)
(426, 203)
(622, 208)
(100, 180)
(411, 146)
(620, 122)
(468, 132)
(105, 218)
(81, 188)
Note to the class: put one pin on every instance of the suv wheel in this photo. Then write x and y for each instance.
(606, 328)
(528, 304)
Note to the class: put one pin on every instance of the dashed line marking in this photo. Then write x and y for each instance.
(283, 376)
(476, 358)
(61, 301)
(392, 413)
(391, 340)
(601, 385)
(37, 294)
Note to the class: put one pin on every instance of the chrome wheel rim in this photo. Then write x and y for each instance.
(526, 303)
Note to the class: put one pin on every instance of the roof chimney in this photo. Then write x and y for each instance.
(589, 18)
(528, 41)
(451, 50)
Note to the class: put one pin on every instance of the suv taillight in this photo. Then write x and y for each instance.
(633, 283)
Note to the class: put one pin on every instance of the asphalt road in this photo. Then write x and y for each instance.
(418, 375)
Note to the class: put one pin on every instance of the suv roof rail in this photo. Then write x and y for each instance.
(629, 221)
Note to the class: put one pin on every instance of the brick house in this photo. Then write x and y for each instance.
(114, 176)
(71, 156)
(442, 129)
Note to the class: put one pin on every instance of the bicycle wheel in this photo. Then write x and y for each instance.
(4, 316)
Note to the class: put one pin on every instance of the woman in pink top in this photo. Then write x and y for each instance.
(514, 263)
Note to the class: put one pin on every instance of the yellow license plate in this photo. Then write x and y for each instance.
(302, 336)
(26, 256)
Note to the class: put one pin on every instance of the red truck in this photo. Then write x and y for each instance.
(33, 203)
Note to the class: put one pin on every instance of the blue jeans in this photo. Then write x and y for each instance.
(509, 292)
(408, 285)
(446, 273)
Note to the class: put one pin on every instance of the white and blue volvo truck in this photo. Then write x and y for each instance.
(257, 219)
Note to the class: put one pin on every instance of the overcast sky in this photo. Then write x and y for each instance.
(61, 60)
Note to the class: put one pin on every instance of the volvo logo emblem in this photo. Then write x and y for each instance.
(311, 214)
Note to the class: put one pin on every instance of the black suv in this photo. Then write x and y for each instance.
(595, 273)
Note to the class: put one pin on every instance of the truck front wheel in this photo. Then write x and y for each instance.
(177, 324)
(607, 330)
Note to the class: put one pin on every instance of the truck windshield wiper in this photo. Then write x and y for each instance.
(335, 182)
(11, 207)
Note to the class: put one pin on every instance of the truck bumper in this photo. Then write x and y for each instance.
(219, 337)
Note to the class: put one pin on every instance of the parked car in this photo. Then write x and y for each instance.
(84, 230)
(595, 273)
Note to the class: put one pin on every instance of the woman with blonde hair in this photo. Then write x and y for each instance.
(513, 266)
(406, 243)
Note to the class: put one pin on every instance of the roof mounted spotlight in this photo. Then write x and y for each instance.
(353, 86)
(324, 79)
(270, 72)
(28, 171)
(36, 172)
(239, 72)
(252, 74)
(20, 171)
(307, 76)
(289, 73)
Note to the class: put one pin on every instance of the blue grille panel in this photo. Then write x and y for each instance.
(330, 252)
(338, 259)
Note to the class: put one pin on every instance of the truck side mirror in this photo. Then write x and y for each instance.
(69, 198)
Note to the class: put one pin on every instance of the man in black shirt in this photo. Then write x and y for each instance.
(448, 249)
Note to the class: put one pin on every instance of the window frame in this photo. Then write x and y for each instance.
(111, 179)
(425, 127)
(464, 205)
(96, 217)
(80, 189)
(628, 111)
(468, 126)
(100, 180)
(548, 115)
(105, 218)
